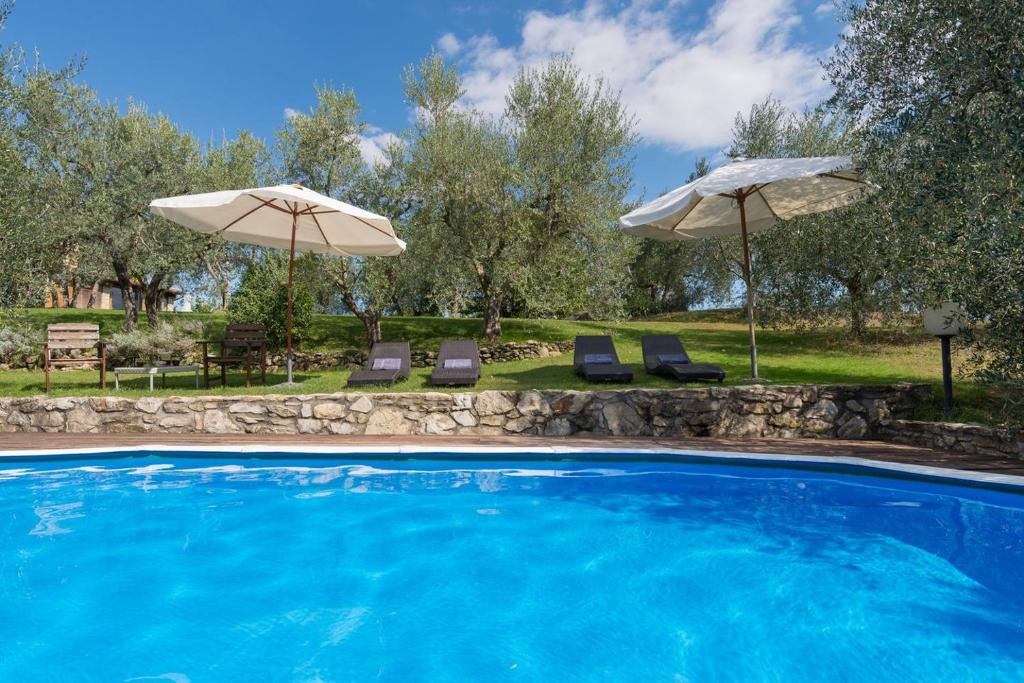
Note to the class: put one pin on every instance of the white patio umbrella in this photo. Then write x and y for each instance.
(285, 217)
(745, 196)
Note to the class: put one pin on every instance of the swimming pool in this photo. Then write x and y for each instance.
(227, 568)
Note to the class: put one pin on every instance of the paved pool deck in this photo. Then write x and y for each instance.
(823, 449)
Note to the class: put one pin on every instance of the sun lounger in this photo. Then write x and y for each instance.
(388, 363)
(458, 363)
(665, 355)
(596, 361)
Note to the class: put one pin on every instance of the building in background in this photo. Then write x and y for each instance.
(104, 295)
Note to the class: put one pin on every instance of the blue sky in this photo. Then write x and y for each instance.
(684, 67)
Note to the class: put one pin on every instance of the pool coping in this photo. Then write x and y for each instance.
(663, 453)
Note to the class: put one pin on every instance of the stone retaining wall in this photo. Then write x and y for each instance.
(495, 353)
(954, 436)
(846, 412)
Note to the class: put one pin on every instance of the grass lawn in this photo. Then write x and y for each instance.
(786, 357)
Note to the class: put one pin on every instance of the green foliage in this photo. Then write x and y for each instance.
(321, 150)
(848, 263)
(262, 298)
(675, 276)
(17, 343)
(940, 89)
(521, 209)
(233, 164)
(148, 346)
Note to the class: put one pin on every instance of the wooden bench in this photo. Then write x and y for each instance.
(243, 344)
(74, 336)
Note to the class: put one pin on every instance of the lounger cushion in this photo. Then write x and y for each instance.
(673, 358)
(458, 363)
(387, 364)
(598, 359)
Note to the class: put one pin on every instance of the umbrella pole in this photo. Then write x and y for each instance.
(291, 275)
(740, 197)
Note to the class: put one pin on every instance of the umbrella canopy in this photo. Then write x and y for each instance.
(745, 196)
(264, 216)
(284, 217)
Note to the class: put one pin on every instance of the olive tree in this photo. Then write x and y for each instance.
(128, 160)
(523, 205)
(938, 86)
(320, 149)
(849, 262)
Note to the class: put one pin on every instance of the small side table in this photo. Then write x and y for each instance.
(154, 370)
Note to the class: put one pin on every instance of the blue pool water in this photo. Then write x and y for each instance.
(151, 569)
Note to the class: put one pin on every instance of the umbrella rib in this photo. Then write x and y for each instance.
(308, 211)
(839, 177)
(821, 200)
(682, 218)
(263, 203)
(326, 241)
(765, 200)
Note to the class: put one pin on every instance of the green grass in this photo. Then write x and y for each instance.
(786, 357)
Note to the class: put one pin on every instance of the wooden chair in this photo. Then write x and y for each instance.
(243, 344)
(69, 336)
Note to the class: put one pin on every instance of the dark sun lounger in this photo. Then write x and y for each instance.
(388, 363)
(596, 361)
(665, 355)
(458, 363)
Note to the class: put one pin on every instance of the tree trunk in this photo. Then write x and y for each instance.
(367, 314)
(371, 320)
(151, 298)
(492, 316)
(857, 322)
(94, 295)
(124, 283)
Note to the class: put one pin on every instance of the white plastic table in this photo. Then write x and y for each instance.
(153, 370)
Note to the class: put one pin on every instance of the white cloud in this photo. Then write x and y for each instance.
(684, 86)
(448, 44)
(373, 143)
(290, 113)
(824, 8)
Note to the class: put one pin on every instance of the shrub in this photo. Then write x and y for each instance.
(262, 297)
(165, 342)
(17, 344)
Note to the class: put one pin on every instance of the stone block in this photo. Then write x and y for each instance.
(308, 426)
(218, 422)
(247, 408)
(493, 403)
(532, 403)
(178, 421)
(853, 428)
(518, 425)
(437, 423)
(388, 420)
(278, 410)
(363, 404)
(559, 426)
(341, 427)
(622, 419)
(329, 411)
(110, 405)
(465, 418)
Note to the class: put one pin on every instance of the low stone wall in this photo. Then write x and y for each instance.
(955, 436)
(846, 412)
(495, 353)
